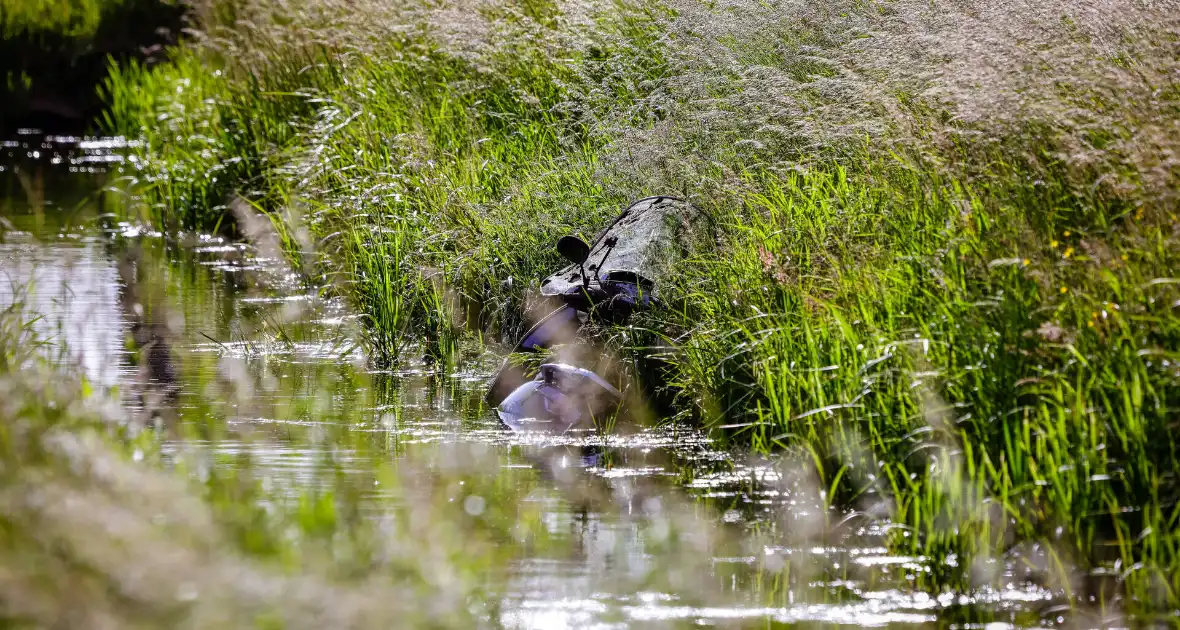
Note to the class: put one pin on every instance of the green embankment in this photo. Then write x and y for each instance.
(943, 266)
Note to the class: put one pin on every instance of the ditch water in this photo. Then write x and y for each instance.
(241, 363)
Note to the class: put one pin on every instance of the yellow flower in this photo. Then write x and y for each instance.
(1027, 262)
(1068, 252)
(1053, 244)
(1124, 257)
(1064, 290)
(1067, 232)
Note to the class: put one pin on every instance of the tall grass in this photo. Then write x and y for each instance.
(944, 269)
(988, 393)
(415, 153)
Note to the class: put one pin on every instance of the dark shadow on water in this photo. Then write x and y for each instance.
(52, 78)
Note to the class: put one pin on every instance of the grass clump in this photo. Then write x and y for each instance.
(945, 264)
(984, 393)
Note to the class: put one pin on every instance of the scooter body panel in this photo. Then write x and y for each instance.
(637, 245)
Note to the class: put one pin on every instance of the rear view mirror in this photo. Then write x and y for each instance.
(573, 249)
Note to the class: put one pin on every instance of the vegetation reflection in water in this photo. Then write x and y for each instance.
(312, 462)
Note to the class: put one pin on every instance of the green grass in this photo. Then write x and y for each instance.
(992, 390)
(69, 18)
(967, 324)
(525, 172)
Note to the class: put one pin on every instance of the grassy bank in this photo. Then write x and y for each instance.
(69, 19)
(945, 247)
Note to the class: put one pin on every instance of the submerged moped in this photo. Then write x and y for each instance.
(607, 280)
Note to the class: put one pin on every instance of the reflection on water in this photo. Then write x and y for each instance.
(74, 285)
(243, 364)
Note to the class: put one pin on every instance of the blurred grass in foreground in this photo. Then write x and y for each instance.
(941, 269)
(95, 533)
(270, 494)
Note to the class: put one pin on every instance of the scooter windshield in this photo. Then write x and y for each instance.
(558, 327)
(538, 405)
(560, 398)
